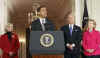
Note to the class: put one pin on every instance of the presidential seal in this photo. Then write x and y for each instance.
(47, 40)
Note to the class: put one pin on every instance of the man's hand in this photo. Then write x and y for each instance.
(70, 46)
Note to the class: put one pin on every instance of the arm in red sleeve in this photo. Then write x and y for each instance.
(97, 41)
(17, 45)
(2, 44)
(84, 42)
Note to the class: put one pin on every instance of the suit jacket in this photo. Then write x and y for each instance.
(36, 25)
(91, 40)
(74, 38)
(9, 45)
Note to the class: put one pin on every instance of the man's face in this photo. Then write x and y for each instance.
(43, 12)
(71, 18)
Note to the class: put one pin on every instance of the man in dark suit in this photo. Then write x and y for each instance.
(72, 37)
(42, 23)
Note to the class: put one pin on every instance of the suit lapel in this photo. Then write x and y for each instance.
(39, 24)
(73, 32)
(68, 30)
(46, 21)
(45, 25)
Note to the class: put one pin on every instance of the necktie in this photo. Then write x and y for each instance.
(43, 21)
(43, 26)
(70, 30)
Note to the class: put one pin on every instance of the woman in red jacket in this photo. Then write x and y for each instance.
(9, 43)
(91, 40)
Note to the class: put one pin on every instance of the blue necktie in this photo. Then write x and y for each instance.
(70, 30)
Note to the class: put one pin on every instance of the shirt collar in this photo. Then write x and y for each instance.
(91, 31)
(71, 25)
(42, 21)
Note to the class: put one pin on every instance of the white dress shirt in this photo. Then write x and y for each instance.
(42, 21)
(71, 25)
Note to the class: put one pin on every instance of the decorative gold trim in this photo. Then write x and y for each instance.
(43, 37)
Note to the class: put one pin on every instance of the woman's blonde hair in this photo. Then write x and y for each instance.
(86, 26)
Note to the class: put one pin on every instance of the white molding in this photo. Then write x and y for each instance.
(94, 11)
(79, 12)
(3, 15)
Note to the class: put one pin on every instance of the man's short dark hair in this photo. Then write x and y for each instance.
(38, 9)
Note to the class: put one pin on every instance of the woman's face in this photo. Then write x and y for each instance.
(90, 24)
(9, 28)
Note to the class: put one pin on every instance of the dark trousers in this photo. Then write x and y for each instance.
(82, 55)
(97, 56)
(71, 55)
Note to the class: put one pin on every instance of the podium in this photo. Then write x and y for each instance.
(46, 44)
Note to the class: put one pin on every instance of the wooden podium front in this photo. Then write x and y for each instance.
(48, 56)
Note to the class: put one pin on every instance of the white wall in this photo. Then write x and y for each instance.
(79, 4)
(94, 11)
(97, 13)
(5, 7)
(3, 15)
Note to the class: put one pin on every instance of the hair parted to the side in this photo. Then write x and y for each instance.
(39, 8)
(86, 26)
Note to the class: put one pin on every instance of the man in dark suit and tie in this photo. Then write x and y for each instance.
(42, 23)
(72, 38)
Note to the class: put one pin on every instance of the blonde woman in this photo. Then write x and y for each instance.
(9, 43)
(91, 40)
